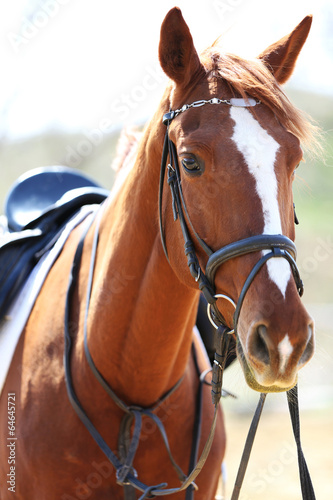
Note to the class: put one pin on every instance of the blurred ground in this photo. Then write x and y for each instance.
(273, 469)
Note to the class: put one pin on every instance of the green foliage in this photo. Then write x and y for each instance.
(313, 195)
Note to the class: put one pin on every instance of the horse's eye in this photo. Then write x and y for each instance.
(294, 172)
(190, 164)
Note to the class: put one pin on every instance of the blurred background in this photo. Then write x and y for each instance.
(74, 73)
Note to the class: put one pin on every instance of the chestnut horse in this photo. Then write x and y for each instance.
(237, 146)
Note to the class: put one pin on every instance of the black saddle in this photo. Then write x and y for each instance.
(36, 209)
(44, 194)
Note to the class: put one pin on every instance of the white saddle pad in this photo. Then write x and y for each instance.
(18, 314)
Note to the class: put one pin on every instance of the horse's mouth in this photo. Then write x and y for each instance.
(251, 379)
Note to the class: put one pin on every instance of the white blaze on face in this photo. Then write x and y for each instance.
(259, 150)
(285, 349)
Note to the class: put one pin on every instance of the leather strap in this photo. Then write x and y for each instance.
(305, 479)
(248, 245)
(165, 153)
(275, 252)
(197, 426)
(248, 447)
(306, 483)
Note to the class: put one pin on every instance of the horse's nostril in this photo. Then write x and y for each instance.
(258, 347)
(309, 349)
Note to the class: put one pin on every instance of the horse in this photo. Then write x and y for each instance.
(234, 143)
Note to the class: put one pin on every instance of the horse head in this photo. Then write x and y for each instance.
(237, 141)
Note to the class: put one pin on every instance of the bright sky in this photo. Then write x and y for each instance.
(80, 64)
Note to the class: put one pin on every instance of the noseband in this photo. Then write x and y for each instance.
(273, 246)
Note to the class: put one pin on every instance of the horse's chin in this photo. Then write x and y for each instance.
(250, 377)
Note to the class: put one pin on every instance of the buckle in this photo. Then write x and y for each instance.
(209, 312)
(122, 473)
(168, 117)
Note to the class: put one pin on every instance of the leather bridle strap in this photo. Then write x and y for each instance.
(305, 479)
(273, 246)
(248, 245)
(178, 208)
(306, 483)
(248, 447)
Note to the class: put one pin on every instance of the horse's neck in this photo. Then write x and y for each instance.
(141, 317)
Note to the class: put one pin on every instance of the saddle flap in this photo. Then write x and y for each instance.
(17, 259)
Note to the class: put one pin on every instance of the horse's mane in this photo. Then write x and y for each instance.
(251, 78)
(126, 148)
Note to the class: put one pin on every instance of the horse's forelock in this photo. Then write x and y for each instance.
(251, 78)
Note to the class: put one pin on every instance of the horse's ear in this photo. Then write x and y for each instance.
(177, 54)
(281, 57)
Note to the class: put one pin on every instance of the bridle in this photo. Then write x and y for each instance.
(275, 245)
(272, 246)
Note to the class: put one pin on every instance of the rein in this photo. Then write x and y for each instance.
(276, 246)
